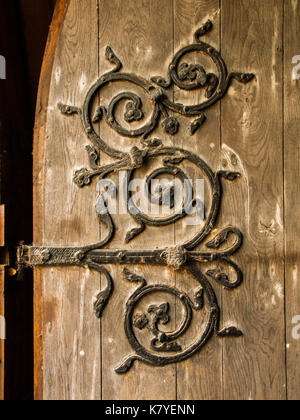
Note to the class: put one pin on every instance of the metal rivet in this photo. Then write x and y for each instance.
(45, 255)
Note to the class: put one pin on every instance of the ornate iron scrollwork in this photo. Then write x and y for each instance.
(164, 347)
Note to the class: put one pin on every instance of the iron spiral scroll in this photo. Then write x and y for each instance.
(163, 347)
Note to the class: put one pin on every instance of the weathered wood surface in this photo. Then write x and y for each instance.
(71, 333)
(38, 190)
(24, 26)
(253, 130)
(252, 124)
(196, 376)
(146, 56)
(292, 193)
(63, 376)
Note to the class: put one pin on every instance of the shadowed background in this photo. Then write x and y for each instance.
(24, 28)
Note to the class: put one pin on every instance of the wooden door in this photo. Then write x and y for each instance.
(24, 26)
(186, 90)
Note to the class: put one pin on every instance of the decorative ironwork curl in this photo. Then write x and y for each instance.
(164, 347)
(167, 342)
(185, 76)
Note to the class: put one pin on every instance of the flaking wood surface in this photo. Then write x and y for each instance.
(196, 376)
(252, 124)
(292, 194)
(71, 333)
(253, 131)
(146, 56)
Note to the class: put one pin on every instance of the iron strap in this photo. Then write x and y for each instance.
(203, 267)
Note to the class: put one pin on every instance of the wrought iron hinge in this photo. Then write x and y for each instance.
(212, 263)
(32, 256)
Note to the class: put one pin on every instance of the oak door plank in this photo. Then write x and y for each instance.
(199, 378)
(292, 193)
(254, 365)
(144, 43)
(38, 188)
(70, 331)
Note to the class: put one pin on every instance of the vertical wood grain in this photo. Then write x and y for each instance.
(71, 333)
(38, 186)
(200, 377)
(144, 43)
(243, 133)
(292, 193)
(252, 125)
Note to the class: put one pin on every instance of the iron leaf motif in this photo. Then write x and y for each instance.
(162, 347)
